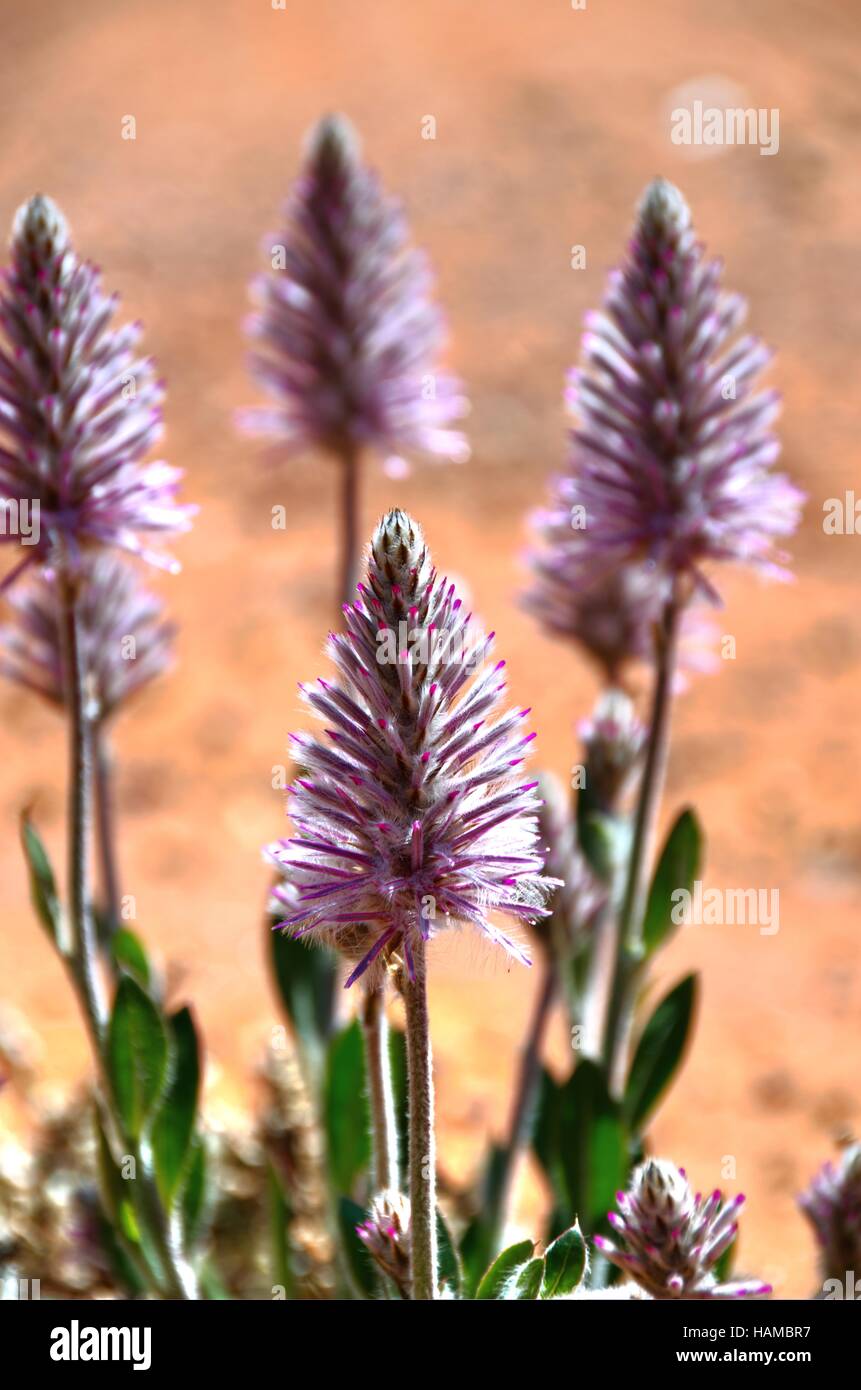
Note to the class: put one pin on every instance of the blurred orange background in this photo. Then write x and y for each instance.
(549, 121)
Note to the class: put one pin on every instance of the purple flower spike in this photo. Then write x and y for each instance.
(670, 1240)
(346, 335)
(672, 456)
(832, 1205)
(612, 616)
(410, 819)
(79, 408)
(125, 640)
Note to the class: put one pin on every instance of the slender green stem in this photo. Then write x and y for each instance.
(83, 962)
(349, 559)
(105, 822)
(630, 922)
(523, 1109)
(422, 1158)
(383, 1127)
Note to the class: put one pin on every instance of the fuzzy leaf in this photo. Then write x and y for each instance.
(194, 1191)
(565, 1263)
(43, 887)
(504, 1268)
(593, 1145)
(130, 955)
(137, 1055)
(345, 1108)
(659, 1051)
(115, 1190)
(677, 869)
(174, 1124)
(306, 979)
(527, 1286)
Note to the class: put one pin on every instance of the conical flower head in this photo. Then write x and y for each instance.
(670, 1239)
(614, 739)
(673, 452)
(125, 640)
(414, 814)
(832, 1205)
(79, 408)
(347, 337)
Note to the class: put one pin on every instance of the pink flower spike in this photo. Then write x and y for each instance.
(408, 835)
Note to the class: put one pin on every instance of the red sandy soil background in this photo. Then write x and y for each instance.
(549, 122)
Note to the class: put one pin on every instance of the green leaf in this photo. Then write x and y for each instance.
(137, 1055)
(129, 955)
(173, 1128)
(279, 1231)
(527, 1286)
(593, 1145)
(345, 1108)
(565, 1263)
(504, 1268)
(659, 1051)
(194, 1191)
(546, 1136)
(359, 1263)
(43, 887)
(398, 1071)
(212, 1285)
(677, 869)
(129, 1246)
(724, 1266)
(604, 840)
(116, 1190)
(481, 1237)
(128, 1273)
(306, 979)
(449, 1267)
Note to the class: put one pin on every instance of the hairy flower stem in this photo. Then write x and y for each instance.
(350, 464)
(384, 1130)
(106, 839)
(630, 923)
(524, 1105)
(178, 1281)
(84, 949)
(422, 1159)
